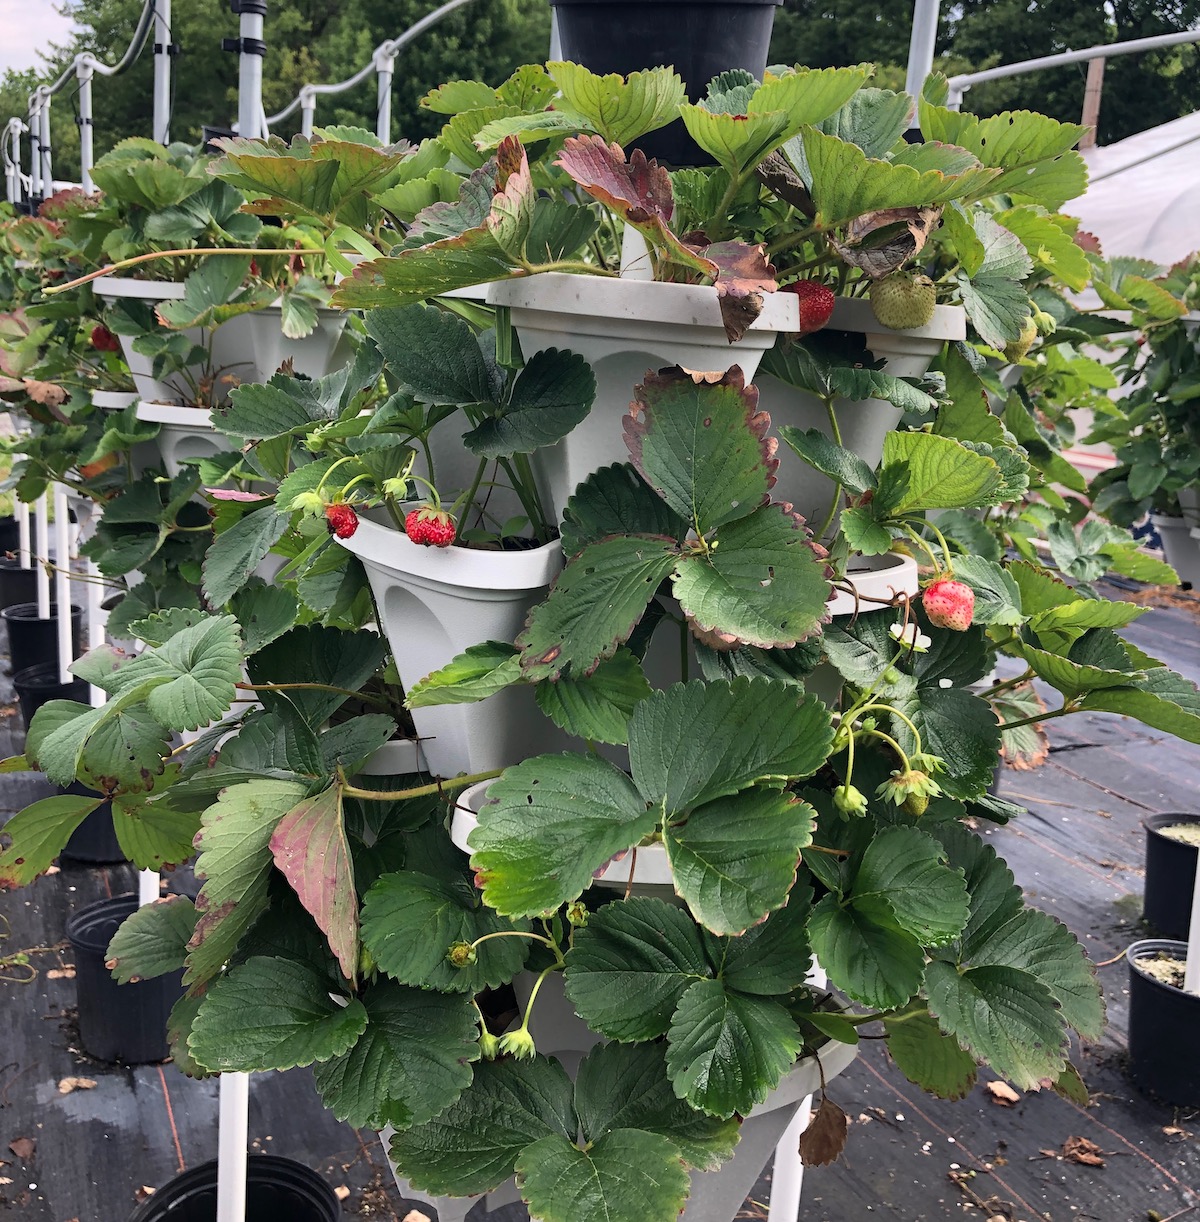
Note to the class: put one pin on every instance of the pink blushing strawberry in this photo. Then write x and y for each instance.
(949, 604)
(342, 519)
(430, 526)
(816, 304)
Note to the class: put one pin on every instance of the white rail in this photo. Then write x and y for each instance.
(961, 83)
(383, 64)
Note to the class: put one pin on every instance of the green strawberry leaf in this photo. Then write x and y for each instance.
(152, 941)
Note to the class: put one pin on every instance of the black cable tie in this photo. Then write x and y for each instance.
(248, 6)
(81, 122)
(171, 48)
(244, 46)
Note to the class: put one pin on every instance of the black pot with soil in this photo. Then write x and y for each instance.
(1164, 1058)
(38, 685)
(117, 1022)
(32, 638)
(1172, 850)
(277, 1190)
(698, 38)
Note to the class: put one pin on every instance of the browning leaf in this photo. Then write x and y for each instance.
(880, 242)
(776, 174)
(744, 273)
(825, 1137)
(639, 190)
(1080, 1150)
(1002, 1093)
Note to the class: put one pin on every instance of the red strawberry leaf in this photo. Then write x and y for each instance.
(310, 848)
(744, 273)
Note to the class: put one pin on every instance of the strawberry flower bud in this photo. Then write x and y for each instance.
(518, 1044)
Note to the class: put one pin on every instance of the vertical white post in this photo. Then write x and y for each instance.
(250, 67)
(1191, 975)
(308, 111)
(162, 71)
(84, 72)
(62, 582)
(35, 140)
(234, 1125)
(95, 617)
(555, 39)
(41, 515)
(921, 44)
(385, 68)
(23, 534)
(44, 127)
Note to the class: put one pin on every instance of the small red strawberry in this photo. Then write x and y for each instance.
(342, 519)
(816, 304)
(103, 340)
(430, 526)
(949, 604)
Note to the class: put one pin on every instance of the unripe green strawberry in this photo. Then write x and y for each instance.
(903, 301)
(1015, 349)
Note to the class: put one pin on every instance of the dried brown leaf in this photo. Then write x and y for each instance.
(1080, 1150)
(1002, 1094)
(23, 1147)
(67, 1085)
(880, 242)
(825, 1137)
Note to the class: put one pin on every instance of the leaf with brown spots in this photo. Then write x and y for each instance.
(880, 242)
(744, 274)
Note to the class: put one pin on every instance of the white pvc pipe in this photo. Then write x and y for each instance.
(22, 511)
(62, 580)
(308, 113)
(86, 148)
(921, 45)
(385, 67)
(234, 1123)
(47, 164)
(148, 889)
(250, 72)
(42, 545)
(162, 71)
(96, 616)
(35, 155)
(1191, 975)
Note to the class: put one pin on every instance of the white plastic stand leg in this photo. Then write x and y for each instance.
(23, 552)
(1191, 975)
(42, 545)
(234, 1125)
(62, 583)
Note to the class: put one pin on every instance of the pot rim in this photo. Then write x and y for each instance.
(10, 613)
(82, 922)
(1155, 823)
(635, 301)
(113, 288)
(889, 573)
(198, 418)
(464, 568)
(1147, 947)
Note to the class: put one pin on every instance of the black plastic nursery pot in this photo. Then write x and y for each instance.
(37, 685)
(699, 38)
(277, 1190)
(1170, 876)
(10, 534)
(33, 640)
(94, 841)
(117, 1022)
(1164, 1057)
(17, 585)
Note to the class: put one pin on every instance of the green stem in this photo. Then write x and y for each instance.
(419, 791)
(462, 506)
(1008, 684)
(1031, 721)
(194, 253)
(792, 239)
(377, 701)
(887, 708)
(837, 484)
(571, 265)
(525, 486)
(514, 933)
(915, 536)
(537, 984)
(887, 738)
(943, 545)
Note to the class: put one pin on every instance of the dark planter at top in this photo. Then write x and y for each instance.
(1170, 876)
(17, 585)
(38, 685)
(10, 535)
(698, 38)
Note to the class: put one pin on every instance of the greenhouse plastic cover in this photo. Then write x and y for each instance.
(1146, 208)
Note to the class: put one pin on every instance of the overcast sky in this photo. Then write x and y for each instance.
(27, 26)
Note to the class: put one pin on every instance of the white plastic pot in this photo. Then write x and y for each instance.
(435, 602)
(249, 348)
(1181, 546)
(113, 400)
(863, 424)
(624, 327)
(183, 432)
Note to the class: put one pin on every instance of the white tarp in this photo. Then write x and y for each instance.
(1144, 197)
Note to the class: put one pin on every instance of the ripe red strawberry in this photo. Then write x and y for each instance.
(429, 526)
(103, 340)
(342, 519)
(949, 604)
(816, 304)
